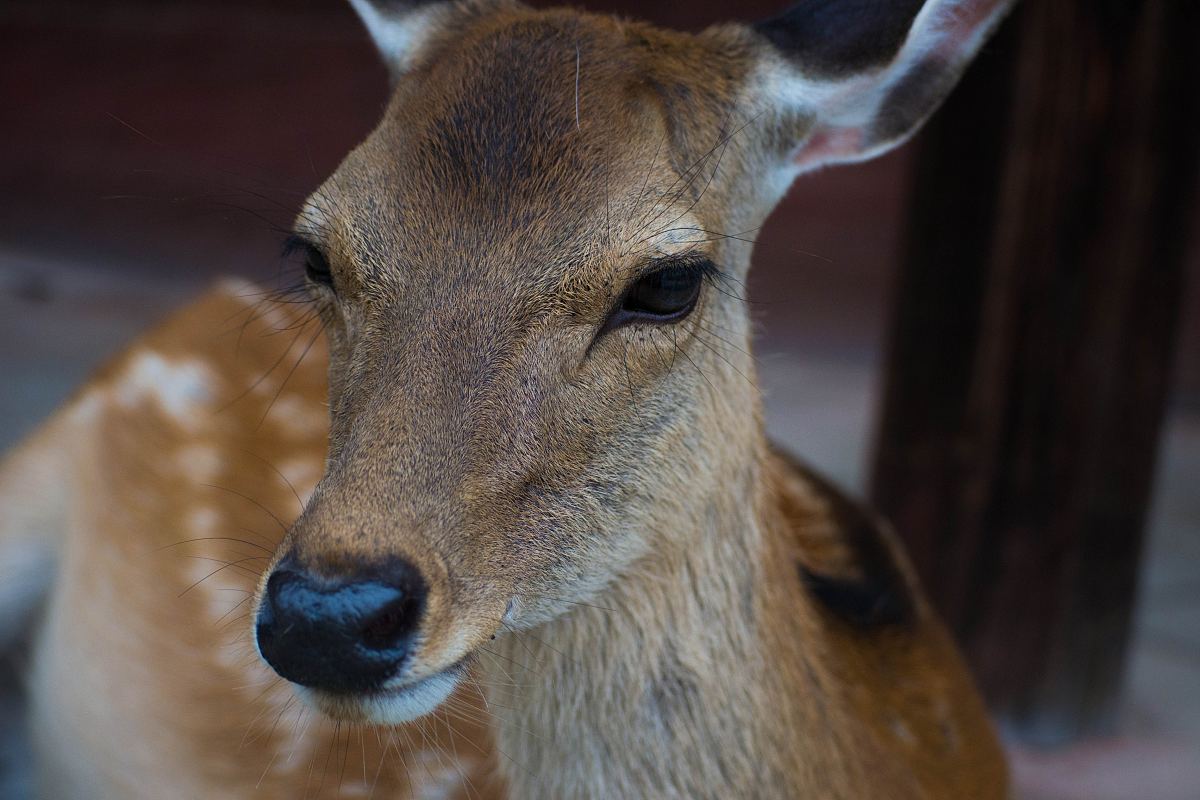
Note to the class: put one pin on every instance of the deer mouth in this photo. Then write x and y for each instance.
(394, 703)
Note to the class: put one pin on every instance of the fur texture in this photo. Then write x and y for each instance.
(652, 602)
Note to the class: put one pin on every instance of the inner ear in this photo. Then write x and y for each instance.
(865, 74)
(827, 146)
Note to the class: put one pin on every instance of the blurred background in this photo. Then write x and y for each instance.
(1006, 308)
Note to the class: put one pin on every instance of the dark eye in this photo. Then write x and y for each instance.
(316, 267)
(665, 294)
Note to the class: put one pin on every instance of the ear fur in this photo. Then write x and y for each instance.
(400, 28)
(859, 77)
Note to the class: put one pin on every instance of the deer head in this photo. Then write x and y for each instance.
(530, 275)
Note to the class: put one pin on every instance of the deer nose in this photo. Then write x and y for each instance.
(342, 635)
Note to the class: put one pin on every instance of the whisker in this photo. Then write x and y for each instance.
(214, 539)
(276, 470)
(249, 499)
(219, 569)
(290, 373)
(264, 376)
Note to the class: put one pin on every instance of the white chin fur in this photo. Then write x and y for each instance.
(389, 706)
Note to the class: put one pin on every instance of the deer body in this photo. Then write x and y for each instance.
(539, 540)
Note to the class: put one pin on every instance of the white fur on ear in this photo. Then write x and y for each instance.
(865, 98)
(399, 29)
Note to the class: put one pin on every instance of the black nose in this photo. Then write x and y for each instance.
(340, 634)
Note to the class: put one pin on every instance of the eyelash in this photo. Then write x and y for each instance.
(696, 266)
(316, 265)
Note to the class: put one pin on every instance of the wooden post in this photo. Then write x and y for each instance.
(1032, 342)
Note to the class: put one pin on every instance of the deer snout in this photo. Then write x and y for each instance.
(342, 635)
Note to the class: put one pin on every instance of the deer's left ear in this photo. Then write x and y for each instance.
(851, 79)
(402, 28)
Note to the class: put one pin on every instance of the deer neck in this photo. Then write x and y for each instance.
(661, 688)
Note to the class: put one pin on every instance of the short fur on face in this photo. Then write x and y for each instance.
(479, 239)
(489, 424)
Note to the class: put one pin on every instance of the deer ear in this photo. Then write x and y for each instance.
(400, 28)
(854, 78)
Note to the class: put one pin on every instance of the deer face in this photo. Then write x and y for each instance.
(530, 277)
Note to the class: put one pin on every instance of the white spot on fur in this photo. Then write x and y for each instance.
(180, 388)
(202, 521)
(297, 416)
(218, 576)
(444, 774)
(199, 462)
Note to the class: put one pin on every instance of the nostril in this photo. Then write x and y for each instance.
(391, 623)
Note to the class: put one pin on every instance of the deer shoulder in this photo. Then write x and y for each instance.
(906, 688)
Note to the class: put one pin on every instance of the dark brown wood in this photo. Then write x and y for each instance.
(1032, 339)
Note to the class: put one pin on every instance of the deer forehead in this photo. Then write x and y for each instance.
(535, 140)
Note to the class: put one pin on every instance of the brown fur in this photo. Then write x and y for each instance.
(146, 683)
(663, 589)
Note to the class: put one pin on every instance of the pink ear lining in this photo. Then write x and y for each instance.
(946, 35)
(828, 145)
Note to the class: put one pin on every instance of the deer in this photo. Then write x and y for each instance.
(502, 521)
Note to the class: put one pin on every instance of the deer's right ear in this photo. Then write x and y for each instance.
(846, 80)
(400, 28)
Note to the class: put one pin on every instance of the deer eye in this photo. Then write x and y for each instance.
(316, 266)
(666, 294)
(663, 295)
